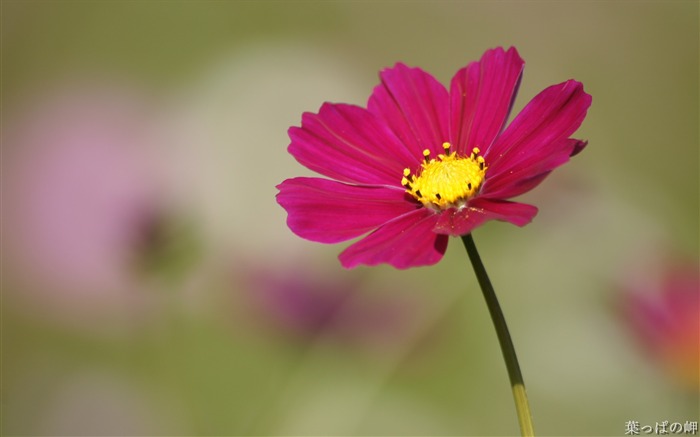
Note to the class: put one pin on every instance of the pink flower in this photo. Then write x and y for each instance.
(664, 316)
(79, 179)
(422, 163)
(301, 304)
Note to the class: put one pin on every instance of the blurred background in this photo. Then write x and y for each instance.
(151, 286)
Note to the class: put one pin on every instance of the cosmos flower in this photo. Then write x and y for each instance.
(306, 306)
(662, 314)
(79, 175)
(422, 163)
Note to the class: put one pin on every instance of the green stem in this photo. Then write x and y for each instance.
(499, 322)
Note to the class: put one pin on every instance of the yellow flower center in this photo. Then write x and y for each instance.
(447, 181)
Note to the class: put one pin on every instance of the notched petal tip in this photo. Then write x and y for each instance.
(578, 92)
(481, 98)
(578, 147)
(414, 106)
(399, 67)
(501, 51)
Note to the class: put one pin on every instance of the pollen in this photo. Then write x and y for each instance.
(446, 181)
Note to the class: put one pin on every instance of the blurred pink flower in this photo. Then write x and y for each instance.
(80, 196)
(421, 162)
(664, 316)
(306, 305)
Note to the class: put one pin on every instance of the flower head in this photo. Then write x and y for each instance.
(421, 163)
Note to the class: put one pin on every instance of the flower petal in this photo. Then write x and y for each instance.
(480, 210)
(481, 96)
(459, 222)
(529, 172)
(578, 146)
(516, 213)
(552, 116)
(415, 106)
(408, 241)
(330, 212)
(348, 143)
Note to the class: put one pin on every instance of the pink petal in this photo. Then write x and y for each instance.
(480, 210)
(578, 146)
(329, 211)
(406, 242)
(459, 222)
(529, 172)
(481, 96)
(348, 143)
(518, 186)
(415, 106)
(552, 116)
(516, 213)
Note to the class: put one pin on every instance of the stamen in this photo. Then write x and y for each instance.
(447, 181)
